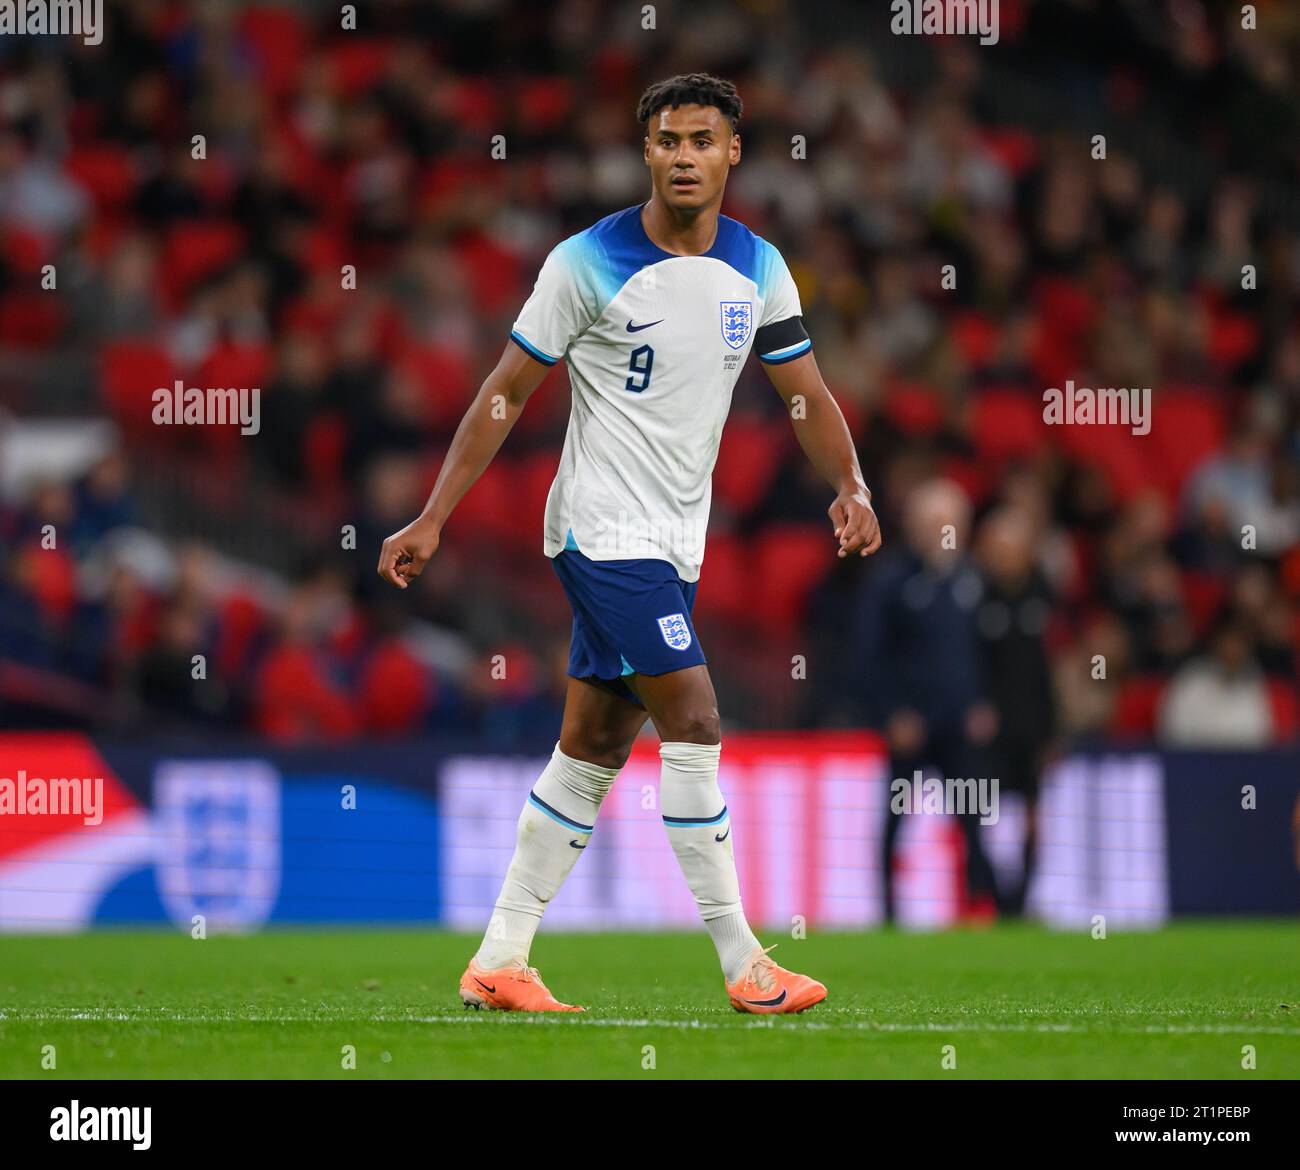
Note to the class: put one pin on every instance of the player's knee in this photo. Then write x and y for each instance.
(695, 725)
(605, 750)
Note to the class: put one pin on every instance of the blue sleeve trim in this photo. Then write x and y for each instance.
(781, 356)
(532, 351)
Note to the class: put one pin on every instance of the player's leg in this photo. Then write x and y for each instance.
(554, 827)
(1028, 853)
(1020, 774)
(903, 765)
(684, 709)
(600, 726)
(559, 814)
(958, 757)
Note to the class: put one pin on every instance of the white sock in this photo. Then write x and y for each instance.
(699, 828)
(554, 827)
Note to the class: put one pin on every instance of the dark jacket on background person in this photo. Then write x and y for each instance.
(913, 644)
(1011, 625)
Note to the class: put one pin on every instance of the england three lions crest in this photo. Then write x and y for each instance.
(737, 319)
(675, 631)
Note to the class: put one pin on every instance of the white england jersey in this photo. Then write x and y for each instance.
(654, 343)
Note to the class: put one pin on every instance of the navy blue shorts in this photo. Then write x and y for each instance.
(629, 617)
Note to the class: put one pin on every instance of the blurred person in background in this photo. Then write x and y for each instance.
(919, 666)
(1086, 705)
(292, 405)
(525, 703)
(165, 681)
(1220, 699)
(299, 694)
(1244, 482)
(1012, 621)
(1141, 582)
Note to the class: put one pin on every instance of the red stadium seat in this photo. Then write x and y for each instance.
(748, 459)
(445, 375)
(1291, 582)
(1008, 424)
(545, 103)
(30, 320)
(1186, 427)
(103, 237)
(394, 691)
(1015, 149)
(357, 64)
(976, 337)
(324, 448)
(532, 476)
(727, 579)
(325, 251)
(1119, 455)
(107, 172)
(316, 316)
(914, 409)
(196, 250)
(485, 515)
(1203, 597)
(26, 252)
(236, 365)
(279, 38)
(792, 559)
(1065, 305)
(1065, 315)
(478, 104)
(853, 408)
(493, 270)
(971, 475)
(1234, 339)
(130, 372)
(1285, 709)
(1138, 707)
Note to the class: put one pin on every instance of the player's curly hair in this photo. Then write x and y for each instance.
(690, 89)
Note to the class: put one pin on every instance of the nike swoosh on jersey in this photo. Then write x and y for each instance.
(637, 328)
(575, 845)
(724, 835)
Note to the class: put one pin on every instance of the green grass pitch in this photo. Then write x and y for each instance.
(1014, 1001)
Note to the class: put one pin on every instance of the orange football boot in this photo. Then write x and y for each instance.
(516, 987)
(766, 989)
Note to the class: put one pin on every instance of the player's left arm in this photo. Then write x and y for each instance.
(824, 435)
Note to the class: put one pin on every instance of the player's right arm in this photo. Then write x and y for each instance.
(486, 424)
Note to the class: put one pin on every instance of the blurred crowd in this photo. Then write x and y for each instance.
(345, 237)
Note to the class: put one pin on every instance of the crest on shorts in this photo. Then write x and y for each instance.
(736, 320)
(675, 631)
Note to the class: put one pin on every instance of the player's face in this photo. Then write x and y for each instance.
(689, 151)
